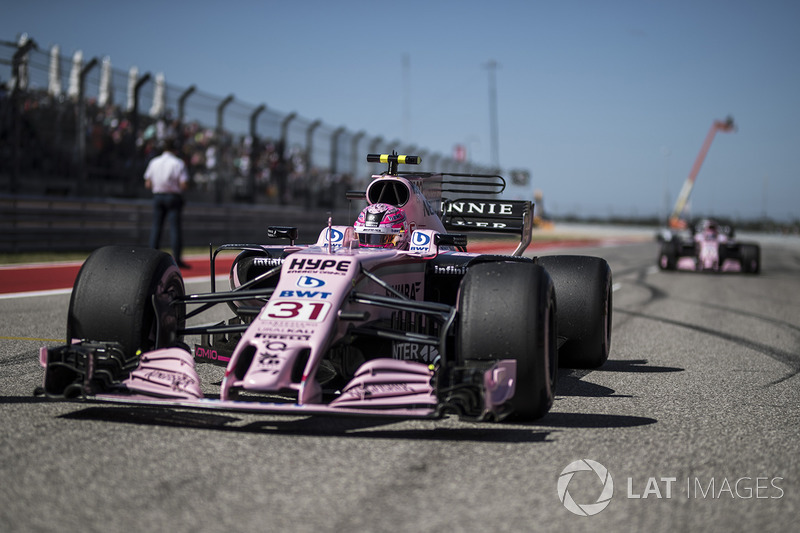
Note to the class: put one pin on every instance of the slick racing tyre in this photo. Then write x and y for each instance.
(751, 258)
(507, 310)
(128, 295)
(668, 258)
(583, 289)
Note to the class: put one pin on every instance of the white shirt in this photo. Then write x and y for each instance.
(167, 174)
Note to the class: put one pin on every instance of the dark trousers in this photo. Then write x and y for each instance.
(168, 207)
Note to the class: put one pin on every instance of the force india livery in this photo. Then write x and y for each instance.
(391, 316)
(709, 246)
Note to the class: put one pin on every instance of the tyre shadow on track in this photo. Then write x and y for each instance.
(635, 365)
(570, 382)
(593, 420)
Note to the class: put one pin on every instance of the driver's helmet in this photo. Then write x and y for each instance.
(710, 228)
(382, 226)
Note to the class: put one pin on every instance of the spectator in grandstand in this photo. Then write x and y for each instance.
(167, 177)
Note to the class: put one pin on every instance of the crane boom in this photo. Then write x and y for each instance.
(718, 125)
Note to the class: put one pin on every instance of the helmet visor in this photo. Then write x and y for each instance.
(377, 240)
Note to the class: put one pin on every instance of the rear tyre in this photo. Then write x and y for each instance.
(583, 289)
(128, 295)
(507, 310)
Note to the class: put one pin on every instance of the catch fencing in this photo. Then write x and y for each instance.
(77, 127)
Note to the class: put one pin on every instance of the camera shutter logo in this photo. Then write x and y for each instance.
(587, 509)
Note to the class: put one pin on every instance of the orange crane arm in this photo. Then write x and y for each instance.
(718, 125)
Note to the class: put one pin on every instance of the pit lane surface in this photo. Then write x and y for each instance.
(698, 402)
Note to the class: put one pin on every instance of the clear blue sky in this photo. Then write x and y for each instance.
(607, 103)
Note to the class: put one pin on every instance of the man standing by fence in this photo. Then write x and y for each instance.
(167, 177)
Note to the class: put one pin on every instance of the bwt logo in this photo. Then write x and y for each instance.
(586, 509)
(307, 282)
(420, 239)
(334, 236)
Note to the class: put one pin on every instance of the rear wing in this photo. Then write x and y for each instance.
(490, 215)
(471, 212)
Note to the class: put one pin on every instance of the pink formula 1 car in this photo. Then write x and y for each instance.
(390, 316)
(710, 246)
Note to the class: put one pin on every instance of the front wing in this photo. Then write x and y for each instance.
(693, 263)
(381, 387)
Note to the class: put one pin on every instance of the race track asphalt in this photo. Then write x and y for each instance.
(695, 417)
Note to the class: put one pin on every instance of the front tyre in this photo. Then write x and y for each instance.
(668, 256)
(508, 311)
(751, 258)
(129, 295)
